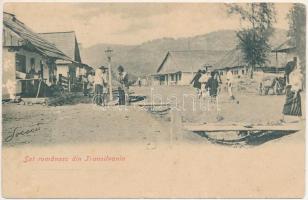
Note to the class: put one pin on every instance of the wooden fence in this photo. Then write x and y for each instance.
(65, 82)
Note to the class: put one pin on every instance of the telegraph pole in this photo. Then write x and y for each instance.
(108, 53)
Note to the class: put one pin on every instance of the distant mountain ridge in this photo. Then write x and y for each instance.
(145, 58)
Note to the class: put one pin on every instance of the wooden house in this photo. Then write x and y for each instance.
(179, 67)
(29, 61)
(67, 42)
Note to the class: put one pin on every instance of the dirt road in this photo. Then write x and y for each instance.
(160, 160)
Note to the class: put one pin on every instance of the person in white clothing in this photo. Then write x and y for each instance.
(230, 85)
(203, 80)
(100, 83)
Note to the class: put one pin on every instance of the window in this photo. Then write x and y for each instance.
(20, 63)
(180, 76)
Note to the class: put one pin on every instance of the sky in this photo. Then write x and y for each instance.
(131, 23)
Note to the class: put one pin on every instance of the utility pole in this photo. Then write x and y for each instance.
(108, 53)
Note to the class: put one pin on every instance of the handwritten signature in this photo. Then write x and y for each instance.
(18, 131)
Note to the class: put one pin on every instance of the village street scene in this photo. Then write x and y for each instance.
(155, 85)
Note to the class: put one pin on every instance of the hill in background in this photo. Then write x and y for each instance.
(145, 58)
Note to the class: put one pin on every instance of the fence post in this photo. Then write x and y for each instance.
(60, 79)
(175, 126)
(69, 82)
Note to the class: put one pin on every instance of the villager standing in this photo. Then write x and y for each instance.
(230, 85)
(196, 82)
(90, 84)
(123, 79)
(218, 78)
(289, 68)
(105, 85)
(203, 80)
(85, 83)
(212, 86)
(100, 84)
(292, 105)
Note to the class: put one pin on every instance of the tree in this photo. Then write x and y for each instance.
(254, 39)
(297, 32)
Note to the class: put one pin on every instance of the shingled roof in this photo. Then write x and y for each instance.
(24, 36)
(66, 42)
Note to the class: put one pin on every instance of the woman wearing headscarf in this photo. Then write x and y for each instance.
(292, 106)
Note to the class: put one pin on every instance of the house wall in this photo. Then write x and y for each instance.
(178, 79)
(154, 80)
(38, 59)
(10, 85)
(186, 78)
(62, 69)
(80, 71)
(8, 76)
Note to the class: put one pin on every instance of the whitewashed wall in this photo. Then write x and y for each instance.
(62, 69)
(9, 86)
(186, 78)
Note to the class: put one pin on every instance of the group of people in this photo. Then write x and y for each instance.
(96, 82)
(207, 83)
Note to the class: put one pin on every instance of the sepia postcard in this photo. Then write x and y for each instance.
(153, 100)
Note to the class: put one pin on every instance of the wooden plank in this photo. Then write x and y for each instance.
(159, 104)
(31, 79)
(240, 127)
(35, 100)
